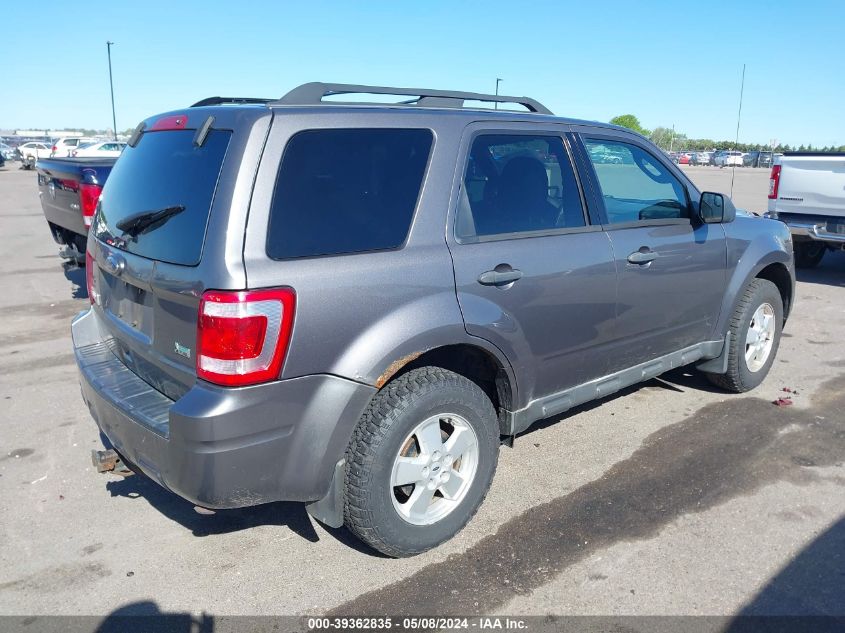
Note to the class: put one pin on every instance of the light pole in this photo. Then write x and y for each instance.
(496, 104)
(111, 87)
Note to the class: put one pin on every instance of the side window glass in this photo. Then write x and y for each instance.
(635, 185)
(347, 191)
(516, 184)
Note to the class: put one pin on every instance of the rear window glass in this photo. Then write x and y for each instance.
(346, 191)
(163, 171)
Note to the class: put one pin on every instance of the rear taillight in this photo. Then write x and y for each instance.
(90, 280)
(88, 197)
(774, 182)
(242, 337)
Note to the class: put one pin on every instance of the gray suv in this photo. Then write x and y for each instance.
(353, 305)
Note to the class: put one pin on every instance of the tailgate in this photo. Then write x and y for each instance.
(58, 188)
(151, 325)
(812, 185)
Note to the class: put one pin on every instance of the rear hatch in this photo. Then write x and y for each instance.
(162, 237)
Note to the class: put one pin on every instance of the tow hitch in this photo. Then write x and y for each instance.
(110, 462)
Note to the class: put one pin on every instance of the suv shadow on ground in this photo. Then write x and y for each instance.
(75, 274)
(831, 271)
(147, 616)
(290, 514)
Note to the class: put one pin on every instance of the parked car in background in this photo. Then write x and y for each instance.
(730, 158)
(764, 159)
(231, 239)
(30, 152)
(685, 158)
(807, 193)
(701, 158)
(757, 158)
(602, 154)
(69, 189)
(63, 147)
(7, 151)
(105, 149)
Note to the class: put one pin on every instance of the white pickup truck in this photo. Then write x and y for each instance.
(807, 193)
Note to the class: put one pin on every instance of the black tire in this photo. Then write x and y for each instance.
(809, 254)
(393, 414)
(739, 378)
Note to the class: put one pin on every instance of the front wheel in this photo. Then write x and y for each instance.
(755, 329)
(420, 462)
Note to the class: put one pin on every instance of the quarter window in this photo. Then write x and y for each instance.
(517, 184)
(346, 191)
(634, 184)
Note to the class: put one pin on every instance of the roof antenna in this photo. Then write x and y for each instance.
(738, 117)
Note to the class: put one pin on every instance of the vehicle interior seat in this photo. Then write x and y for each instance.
(521, 202)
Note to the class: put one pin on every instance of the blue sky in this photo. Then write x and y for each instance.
(673, 62)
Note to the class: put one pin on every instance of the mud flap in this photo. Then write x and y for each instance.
(718, 365)
(329, 509)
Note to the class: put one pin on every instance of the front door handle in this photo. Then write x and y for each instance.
(642, 256)
(499, 277)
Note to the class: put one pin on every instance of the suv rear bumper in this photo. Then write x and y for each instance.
(222, 447)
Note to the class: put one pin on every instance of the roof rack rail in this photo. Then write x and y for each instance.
(313, 93)
(210, 101)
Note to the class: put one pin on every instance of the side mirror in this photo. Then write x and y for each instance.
(715, 208)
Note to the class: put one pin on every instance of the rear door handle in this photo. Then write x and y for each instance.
(642, 256)
(499, 278)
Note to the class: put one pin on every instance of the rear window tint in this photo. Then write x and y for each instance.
(346, 191)
(164, 170)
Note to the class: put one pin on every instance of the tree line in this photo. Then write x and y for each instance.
(669, 139)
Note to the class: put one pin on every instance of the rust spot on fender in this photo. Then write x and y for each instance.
(394, 367)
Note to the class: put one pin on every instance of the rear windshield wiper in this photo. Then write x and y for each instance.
(140, 222)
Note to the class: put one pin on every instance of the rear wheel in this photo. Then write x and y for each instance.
(420, 462)
(809, 254)
(755, 329)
